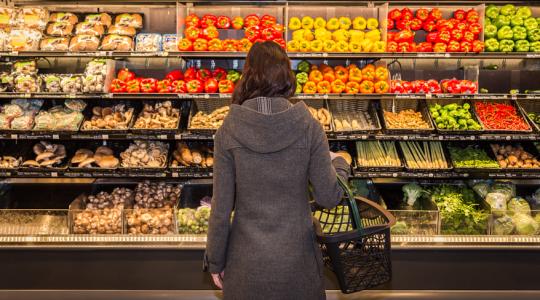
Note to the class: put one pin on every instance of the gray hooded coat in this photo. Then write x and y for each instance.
(265, 154)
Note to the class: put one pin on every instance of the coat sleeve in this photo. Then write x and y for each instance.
(222, 206)
(322, 174)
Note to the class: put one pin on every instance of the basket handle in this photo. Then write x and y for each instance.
(357, 223)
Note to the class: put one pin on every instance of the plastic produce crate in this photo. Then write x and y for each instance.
(317, 104)
(519, 112)
(482, 146)
(380, 168)
(530, 106)
(363, 111)
(444, 102)
(33, 222)
(446, 157)
(507, 222)
(207, 106)
(396, 106)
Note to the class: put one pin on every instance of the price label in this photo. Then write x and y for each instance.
(533, 55)
(210, 174)
(206, 96)
(163, 53)
(394, 175)
(56, 137)
(162, 136)
(441, 137)
(514, 96)
(14, 53)
(175, 175)
(71, 96)
(428, 96)
(26, 95)
(508, 138)
(54, 174)
(177, 136)
(105, 136)
(13, 136)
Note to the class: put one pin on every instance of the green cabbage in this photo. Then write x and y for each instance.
(518, 205)
(525, 224)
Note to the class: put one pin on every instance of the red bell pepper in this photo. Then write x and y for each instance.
(465, 46)
(203, 75)
(403, 24)
(429, 25)
(478, 46)
(433, 86)
(394, 14)
(149, 85)
(223, 22)
(468, 36)
(164, 86)
(268, 21)
(117, 86)
(192, 20)
(468, 87)
(422, 14)
(416, 24)
(194, 86)
(444, 37)
(192, 33)
(435, 14)
(281, 42)
(404, 47)
(472, 16)
(226, 86)
(251, 20)
(208, 20)
(279, 29)
(133, 86)
(200, 45)
(190, 73)
(464, 26)
(219, 74)
(268, 33)
(406, 14)
(453, 46)
(210, 33)
(211, 85)
(425, 47)
(238, 23)
(125, 75)
(439, 47)
(390, 24)
(252, 33)
(391, 36)
(404, 36)
(392, 46)
(420, 87)
(459, 14)
(457, 34)
(185, 45)
(179, 87)
(432, 37)
(444, 25)
(174, 75)
(475, 28)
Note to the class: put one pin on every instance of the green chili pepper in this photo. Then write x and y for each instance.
(492, 11)
(524, 12)
(534, 46)
(520, 33)
(492, 45)
(233, 76)
(490, 31)
(508, 10)
(530, 23)
(501, 21)
(516, 21)
(522, 46)
(505, 33)
(506, 46)
(303, 66)
(302, 77)
(534, 35)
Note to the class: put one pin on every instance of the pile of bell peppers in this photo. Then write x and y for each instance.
(432, 86)
(202, 34)
(324, 79)
(193, 80)
(457, 34)
(511, 29)
(500, 116)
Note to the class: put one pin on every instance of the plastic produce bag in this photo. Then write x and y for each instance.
(52, 83)
(481, 187)
(148, 42)
(169, 42)
(27, 84)
(518, 205)
(503, 226)
(525, 224)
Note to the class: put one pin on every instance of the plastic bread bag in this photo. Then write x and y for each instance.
(59, 29)
(169, 42)
(76, 105)
(24, 122)
(103, 19)
(65, 17)
(25, 67)
(5, 121)
(4, 37)
(87, 28)
(71, 84)
(7, 16)
(52, 83)
(33, 17)
(122, 30)
(12, 110)
(54, 44)
(6, 82)
(114, 42)
(131, 20)
(44, 121)
(148, 42)
(23, 39)
(84, 43)
(26, 83)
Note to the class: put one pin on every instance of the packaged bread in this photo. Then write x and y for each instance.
(23, 39)
(103, 19)
(88, 28)
(65, 17)
(122, 30)
(59, 29)
(169, 42)
(4, 36)
(33, 17)
(115, 42)
(148, 42)
(6, 16)
(54, 44)
(131, 20)
(84, 43)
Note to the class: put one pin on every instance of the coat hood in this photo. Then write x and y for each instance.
(267, 133)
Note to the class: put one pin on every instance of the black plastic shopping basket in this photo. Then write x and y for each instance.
(355, 241)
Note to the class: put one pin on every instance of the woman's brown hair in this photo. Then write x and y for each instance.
(267, 73)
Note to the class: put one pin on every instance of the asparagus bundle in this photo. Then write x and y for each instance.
(424, 155)
(377, 153)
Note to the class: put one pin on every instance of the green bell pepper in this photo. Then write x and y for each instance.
(487, 21)
(538, 20)
(534, 46)
(522, 46)
(302, 78)
(492, 45)
(501, 21)
(530, 23)
(303, 66)
(505, 33)
(520, 33)
(491, 31)
(233, 76)
(516, 21)
(534, 35)
(492, 11)
(524, 12)
(506, 46)
(508, 10)
(298, 88)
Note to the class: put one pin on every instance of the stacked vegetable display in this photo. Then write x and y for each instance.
(453, 117)
(377, 154)
(432, 86)
(324, 79)
(511, 29)
(424, 155)
(202, 34)
(461, 33)
(500, 116)
(471, 157)
(339, 34)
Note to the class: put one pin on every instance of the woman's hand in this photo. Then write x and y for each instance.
(218, 279)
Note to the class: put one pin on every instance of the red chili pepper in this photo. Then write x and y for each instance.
(500, 116)
(117, 86)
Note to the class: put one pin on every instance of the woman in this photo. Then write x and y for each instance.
(265, 155)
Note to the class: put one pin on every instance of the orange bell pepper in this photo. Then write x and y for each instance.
(338, 86)
(382, 87)
(329, 76)
(243, 45)
(381, 73)
(352, 87)
(315, 76)
(324, 87)
(310, 88)
(352, 66)
(355, 75)
(367, 87)
(342, 73)
(325, 68)
(229, 45)
(368, 73)
(200, 45)
(215, 45)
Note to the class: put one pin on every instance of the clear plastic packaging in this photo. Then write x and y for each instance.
(122, 30)
(103, 19)
(52, 83)
(24, 39)
(148, 42)
(66, 17)
(114, 42)
(54, 44)
(84, 43)
(75, 104)
(71, 84)
(93, 83)
(25, 67)
(6, 82)
(7, 16)
(58, 118)
(33, 17)
(87, 28)
(4, 37)
(96, 67)
(131, 20)
(26, 83)
(59, 29)
(169, 42)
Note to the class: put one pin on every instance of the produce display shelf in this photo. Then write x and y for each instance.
(437, 174)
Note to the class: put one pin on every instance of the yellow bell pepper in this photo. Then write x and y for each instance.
(372, 23)
(366, 45)
(355, 47)
(379, 46)
(332, 24)
(356, 35)
(316, 45)
(307, 22)
(342, 46)
(329, 46)
(359, 23)
(319, 23)
(344, 23)
(298, 35)
(374, 35)
(293, 46)
(295, 23)
(322, 34)
(308, 35)
(341, 35)
(304, 46)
